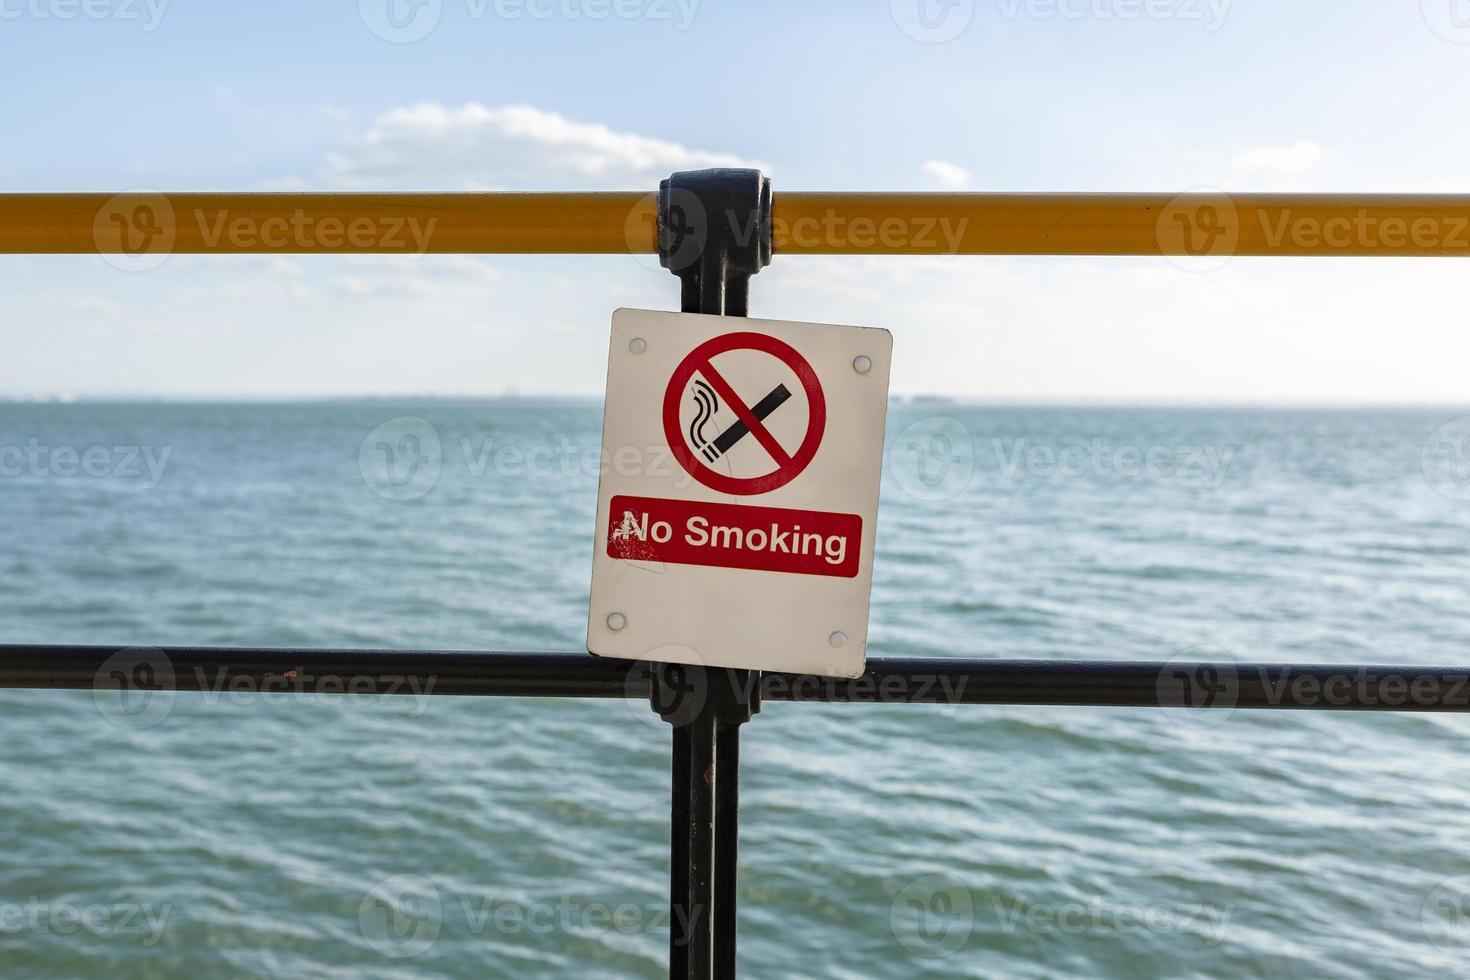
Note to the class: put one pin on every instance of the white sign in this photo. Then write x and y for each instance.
(739, 496)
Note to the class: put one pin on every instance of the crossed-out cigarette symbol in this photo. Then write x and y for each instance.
(708, 403)
(694, 443)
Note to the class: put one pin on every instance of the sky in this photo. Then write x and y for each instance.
(985, 95)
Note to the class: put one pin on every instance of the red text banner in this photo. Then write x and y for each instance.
(768, 539)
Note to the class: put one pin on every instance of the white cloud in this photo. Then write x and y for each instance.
(1294, 160)
(479, 147)
(942, 173)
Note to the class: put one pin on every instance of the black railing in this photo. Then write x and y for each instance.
(888, 680)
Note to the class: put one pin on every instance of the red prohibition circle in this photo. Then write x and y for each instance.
(787, 468)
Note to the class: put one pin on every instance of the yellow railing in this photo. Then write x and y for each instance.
(805, 223)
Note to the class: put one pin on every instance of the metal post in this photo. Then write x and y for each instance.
(715, 232)
(706, 707)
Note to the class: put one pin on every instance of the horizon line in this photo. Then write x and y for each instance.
(1001, 401)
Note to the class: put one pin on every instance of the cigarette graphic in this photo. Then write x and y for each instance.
(725, 440)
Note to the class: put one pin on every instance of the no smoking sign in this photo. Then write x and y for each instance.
(739, 495)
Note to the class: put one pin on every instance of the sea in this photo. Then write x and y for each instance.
(245, 833)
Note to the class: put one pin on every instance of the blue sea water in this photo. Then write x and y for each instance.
(251, 834)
